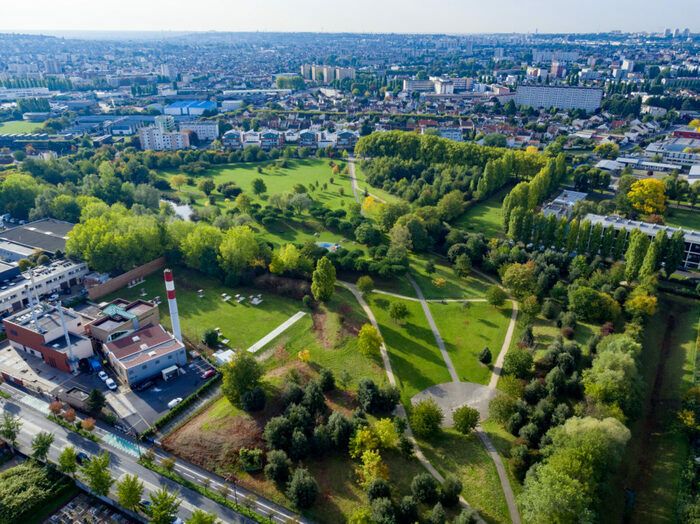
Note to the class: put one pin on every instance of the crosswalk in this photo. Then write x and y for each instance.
(122, 444)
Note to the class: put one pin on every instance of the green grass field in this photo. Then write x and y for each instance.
(683, 218)
(472, 286)
(362, 184)
(465, 456)
(466, 329)
(18, 126)
(243, 324)
(484, 217)
(415, 358)
(278, 180)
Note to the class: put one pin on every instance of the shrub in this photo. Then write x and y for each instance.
(278, 432)
(88, 424)
(407, 510)
(465, 419)
(307, 301)
(326, 380)
(426, 417)
(378, 488)
(55, 407)
(424, 488)
(485, 356)
(210, 338)
(502, 407)
(467, 516)
(251, 459)
(302, 489)
(517, 362)
(451, 489)
(292, 394)
(383, 511)
(253, 400)
(567, 332)
(495, 295)
(278, 466)
(437, 515)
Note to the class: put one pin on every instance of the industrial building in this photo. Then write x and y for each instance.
(52, 333)
(47, 235)
(190, 108)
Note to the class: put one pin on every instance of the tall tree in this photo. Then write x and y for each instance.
(636, 250)
(10, 428)
(675, 253)
(129, 492)
(323, 280)
(240, 376)
(96, 474)
(41, 444)
(164, 507)
(68, 461)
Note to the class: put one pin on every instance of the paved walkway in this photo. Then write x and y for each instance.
(452, 395)
(498, 365)
(284, 326)
(355, 188)
(414, 299)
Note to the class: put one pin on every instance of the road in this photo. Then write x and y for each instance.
(124, 459)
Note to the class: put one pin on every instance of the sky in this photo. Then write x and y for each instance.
(384, 16)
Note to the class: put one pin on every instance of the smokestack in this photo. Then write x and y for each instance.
(172, 303)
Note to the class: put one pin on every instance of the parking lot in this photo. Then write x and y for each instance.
(136, 410)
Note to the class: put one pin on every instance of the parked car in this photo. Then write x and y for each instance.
(143, 386)
(209, 373)
(103, 376)
(111, 384)
(174, 402)
(145, 504)
(81, 457)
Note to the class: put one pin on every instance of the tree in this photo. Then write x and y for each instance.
(465, 419)
(365, 284)
(129, 492)
(398, 312)
(239, 249)
(18, 193)
(164, 507)
(485, 356)
(425, 488)
(451, 490)
(302, 489)
(278, 467)
(10, 428)
(648, 196)
(520, 279)
(206, 186)
(495, 295)
(675, 252)
(41, 444)
(96, 401)
(426, 418)
(200, 248)
(202, 517)
(177, 181)
(240, 376)
(259, 186)
(463, 266)
(607, 150)
(287, 258)
(68, 460)
(95, 473)
(323, 280)
(369, 340)
(517, 362)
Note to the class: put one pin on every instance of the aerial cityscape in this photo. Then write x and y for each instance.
(318, 263)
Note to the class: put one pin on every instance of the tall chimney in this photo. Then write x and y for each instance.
(172, 303)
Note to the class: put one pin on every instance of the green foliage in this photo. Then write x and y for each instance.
(465, 419)
(518, 362)
(164, 506)
(323, 280)
(365, 284)
(495, 295)
(485, 356)
(240, 376)
(369, 340)
(68, 460)
(129, 492)
(202, 517)
(426, 418)
(425, 488)
(95, 472)
(96, 401)
(302, 489)
(10, 428)
(278, 467)
(25, 488)
(398, 311)
(41, 444)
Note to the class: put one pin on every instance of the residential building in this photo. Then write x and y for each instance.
(233, 139)
(561, 97)
(50, 332)
(346, 139)
(204, 129)
(155, 139)
(271, 139)
(563, 205)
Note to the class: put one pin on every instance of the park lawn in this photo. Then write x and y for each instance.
(686, 218)
(484, 217)
(546, 332)
(415, 358)
(378, 192)
(330, 336)
(503, 441)
(472, 286)
(302, 230)
(658, 465)
(465, 456)
(243, 324)
(467, 328)
(19, 126)
(278, 180)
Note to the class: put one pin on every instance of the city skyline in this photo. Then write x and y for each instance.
(547, 16)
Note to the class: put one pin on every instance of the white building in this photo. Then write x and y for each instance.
(205, 129)
(585, 98)
(155, 139)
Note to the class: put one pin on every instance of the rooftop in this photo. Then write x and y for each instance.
(142, 345)
(47, 234)
(690, 235)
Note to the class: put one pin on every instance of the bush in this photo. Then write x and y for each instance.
(378, 488)
(518, 362)
(278, 433)
(382, 511)
(326, 380)
(424, 488)
(567, 332)
(307, 301)
(302, 489)
(426, 417)
(465, 419)
(210, 338)
(407, 510)
(502, 407)
(495, 295)
(253, 400)
(549, 309)
(340, 430)
(467, 516)
(278, 467)
(485, 356)
(292, 394)
(451, 489)
(437, 515)
(251, 459)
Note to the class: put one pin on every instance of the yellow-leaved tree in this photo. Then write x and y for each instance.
(648, 196)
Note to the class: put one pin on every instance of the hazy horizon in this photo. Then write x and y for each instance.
(362, 16)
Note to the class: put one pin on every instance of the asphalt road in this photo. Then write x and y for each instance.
(124, 459)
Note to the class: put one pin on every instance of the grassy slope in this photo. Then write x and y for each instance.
(468, 328)
(415, 359)
(18, 126)
(243, 324)
(484, 217)
(657, 450)
(472, 286)
(362, 184)
(465, 456)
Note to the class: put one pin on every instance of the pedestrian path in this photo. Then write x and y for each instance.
(284, 326)
(122, 444)
(35, 403)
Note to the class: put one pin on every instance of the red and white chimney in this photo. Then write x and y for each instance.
(172, 303)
